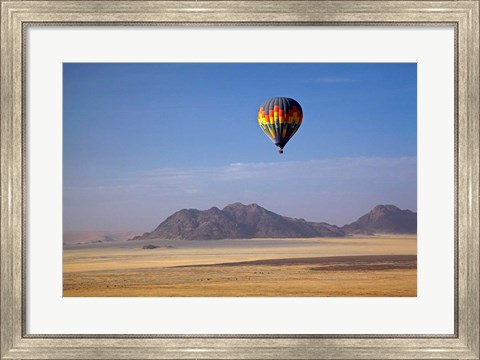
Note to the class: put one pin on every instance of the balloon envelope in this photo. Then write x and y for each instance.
(280, 118)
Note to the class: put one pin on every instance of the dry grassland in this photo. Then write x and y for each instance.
(354, 266)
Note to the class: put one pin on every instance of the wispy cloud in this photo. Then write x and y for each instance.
(333, 190)
(333, 80)
(376, 169)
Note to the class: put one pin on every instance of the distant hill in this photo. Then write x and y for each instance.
(237, 221)
(92, 237)
(384, 219)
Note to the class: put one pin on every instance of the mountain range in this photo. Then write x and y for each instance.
(239, 221)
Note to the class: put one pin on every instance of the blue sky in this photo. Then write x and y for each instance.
(144, 140)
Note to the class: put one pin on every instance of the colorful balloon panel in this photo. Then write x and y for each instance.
(280, 118)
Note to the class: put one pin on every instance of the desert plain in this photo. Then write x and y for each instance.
(368, 266)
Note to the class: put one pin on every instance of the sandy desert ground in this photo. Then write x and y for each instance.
(381, 265)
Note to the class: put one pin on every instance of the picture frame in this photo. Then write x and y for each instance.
(16, 17)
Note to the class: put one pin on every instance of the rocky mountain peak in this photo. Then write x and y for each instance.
(236, 221)
(384, 219)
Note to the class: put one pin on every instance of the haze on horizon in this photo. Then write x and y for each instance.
(142, 141)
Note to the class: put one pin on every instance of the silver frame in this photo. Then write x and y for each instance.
(16, 15)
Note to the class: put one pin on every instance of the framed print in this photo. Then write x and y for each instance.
(257, 251)
(294, 179)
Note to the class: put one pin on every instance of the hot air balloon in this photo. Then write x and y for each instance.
(280, 118)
